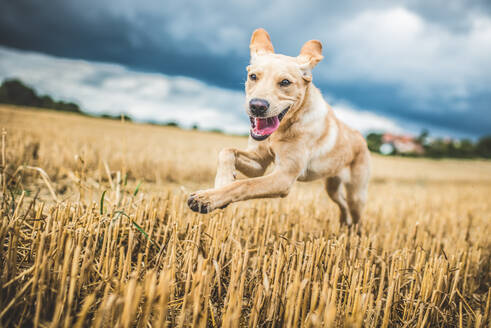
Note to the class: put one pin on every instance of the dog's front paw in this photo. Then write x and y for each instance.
(204, 202)
(197, 205)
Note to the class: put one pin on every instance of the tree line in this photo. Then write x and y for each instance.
(438, 147)
(14, 92)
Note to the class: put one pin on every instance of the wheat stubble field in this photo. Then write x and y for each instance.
(94, 231)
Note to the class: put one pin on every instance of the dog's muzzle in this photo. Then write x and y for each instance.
(263, 127)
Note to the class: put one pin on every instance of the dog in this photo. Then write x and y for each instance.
(293, 127)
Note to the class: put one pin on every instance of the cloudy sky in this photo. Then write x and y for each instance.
(400, 66)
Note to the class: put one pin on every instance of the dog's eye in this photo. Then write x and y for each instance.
(285, 83)
(253, 77)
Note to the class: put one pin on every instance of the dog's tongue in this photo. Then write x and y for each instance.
(265, 126)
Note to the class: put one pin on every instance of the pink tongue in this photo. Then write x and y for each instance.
(266, 125)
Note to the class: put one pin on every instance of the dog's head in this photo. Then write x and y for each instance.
(276, 83)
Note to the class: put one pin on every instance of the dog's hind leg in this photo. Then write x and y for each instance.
(334, 187)
(357, 187)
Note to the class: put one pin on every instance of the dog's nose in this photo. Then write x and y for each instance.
(258, 106)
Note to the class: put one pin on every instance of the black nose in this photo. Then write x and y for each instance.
(258, 106)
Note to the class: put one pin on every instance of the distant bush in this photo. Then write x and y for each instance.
(14, 92)
(116, 117)
(171, 123)
(216, 131)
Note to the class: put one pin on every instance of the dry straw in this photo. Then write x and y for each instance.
(135, 256)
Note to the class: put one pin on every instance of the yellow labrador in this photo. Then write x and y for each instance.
(294, 128)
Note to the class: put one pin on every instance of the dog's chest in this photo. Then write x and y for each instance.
(323, 161)
(320, 167)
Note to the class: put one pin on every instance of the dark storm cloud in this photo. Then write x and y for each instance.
(95, 32)
(422, 62)
(455, 15)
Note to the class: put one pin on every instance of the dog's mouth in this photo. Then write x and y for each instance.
(263, 127)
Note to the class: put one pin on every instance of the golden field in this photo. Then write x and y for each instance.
(95, 231)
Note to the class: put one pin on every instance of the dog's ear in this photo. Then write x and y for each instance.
(310, 55)
(311, 52)
(260, 43)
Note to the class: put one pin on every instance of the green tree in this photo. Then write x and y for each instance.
(437, 149)
(15, 92)
(483, 147)
(423, 137)
(468, 148)
(374, 141)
